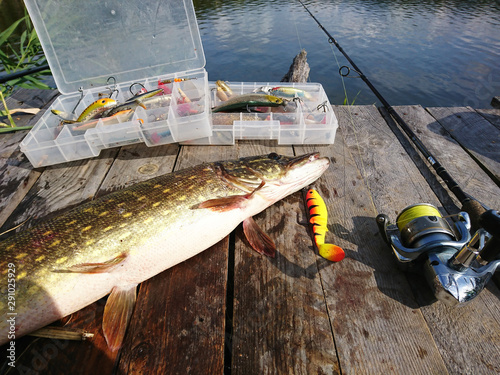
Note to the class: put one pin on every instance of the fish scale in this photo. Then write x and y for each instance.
(121, 239)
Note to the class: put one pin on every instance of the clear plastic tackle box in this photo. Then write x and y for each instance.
(306, 118)
(117, 49)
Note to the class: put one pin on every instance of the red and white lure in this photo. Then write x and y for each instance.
(318, 218)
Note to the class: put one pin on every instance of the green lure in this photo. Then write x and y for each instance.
(237, 103)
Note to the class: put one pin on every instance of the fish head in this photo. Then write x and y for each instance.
(275, 176)
(105, 102)
(274, 100)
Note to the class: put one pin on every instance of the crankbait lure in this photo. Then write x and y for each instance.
(133, 102)
(96, 108)
(318, 217)
(93, 111)
(285, 92)
(240, 102)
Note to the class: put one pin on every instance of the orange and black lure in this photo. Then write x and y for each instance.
(318, 217)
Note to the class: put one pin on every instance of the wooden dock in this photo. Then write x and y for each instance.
(231, 311)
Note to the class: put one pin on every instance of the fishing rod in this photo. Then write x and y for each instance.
(11, 76)
(456, 269)
(440, 170)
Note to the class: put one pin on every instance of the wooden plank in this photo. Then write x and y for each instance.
(491, 114)
(460, 334)
(477, 135)
(61, 187)
(136, 163)
(377, 325)
(281, 324)
(438, 141)
(183, 330)
(16, 174)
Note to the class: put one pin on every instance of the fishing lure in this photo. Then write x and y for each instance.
(121, 116)
(96, 108)
(318, 218)
(133, 102)
(286, 92)
(91, 112)
(225, 88)
(240, 102)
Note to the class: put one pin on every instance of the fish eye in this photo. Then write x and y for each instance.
(274, 156)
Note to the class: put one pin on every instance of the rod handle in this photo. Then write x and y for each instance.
(490, 221)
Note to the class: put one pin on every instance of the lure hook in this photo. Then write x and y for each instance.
(112, 89)
(323, 106)
(138, 92)
(80, 89)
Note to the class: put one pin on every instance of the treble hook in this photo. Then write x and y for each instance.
(348, 71)
(324, 106)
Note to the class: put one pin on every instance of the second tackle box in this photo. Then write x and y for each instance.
(118, 50)
(304, 116)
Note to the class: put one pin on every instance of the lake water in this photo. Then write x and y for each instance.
(433, 53)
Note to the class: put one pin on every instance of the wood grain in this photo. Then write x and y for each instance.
(281, 324)
(492, 115)
(475, 134)
(377, 325)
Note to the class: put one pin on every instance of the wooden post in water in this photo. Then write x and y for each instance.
(299, 70)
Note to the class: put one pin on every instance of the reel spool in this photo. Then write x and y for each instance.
(421, 224)
(421, 229)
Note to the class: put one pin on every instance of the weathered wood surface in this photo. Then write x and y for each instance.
(16, 173)
(231, 310)
(474, 133)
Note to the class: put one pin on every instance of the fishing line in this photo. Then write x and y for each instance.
(351, 119)
(296, 29)
(469, 204)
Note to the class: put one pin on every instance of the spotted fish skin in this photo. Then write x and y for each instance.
(126, 237)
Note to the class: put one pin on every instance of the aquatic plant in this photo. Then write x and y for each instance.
(21, 55)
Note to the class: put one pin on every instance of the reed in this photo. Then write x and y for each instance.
(17, 54)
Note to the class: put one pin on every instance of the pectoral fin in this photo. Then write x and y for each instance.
(224, 204)
(259, 241)
(228, 203)
(106, 266)
(117, 313)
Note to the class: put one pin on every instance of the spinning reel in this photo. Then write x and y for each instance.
(456, 266)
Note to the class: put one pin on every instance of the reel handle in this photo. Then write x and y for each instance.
(382, 222)
(490, 221)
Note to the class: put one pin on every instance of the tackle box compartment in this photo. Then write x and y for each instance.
(307, 118)
(98, 49)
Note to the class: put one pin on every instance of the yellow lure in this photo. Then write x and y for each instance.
(318, 217)
(97, 107)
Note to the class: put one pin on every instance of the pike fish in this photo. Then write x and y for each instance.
(111, 244)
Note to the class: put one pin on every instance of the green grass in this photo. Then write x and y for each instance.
(19, 54)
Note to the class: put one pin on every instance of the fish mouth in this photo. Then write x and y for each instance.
(307, 158)
(301, 171)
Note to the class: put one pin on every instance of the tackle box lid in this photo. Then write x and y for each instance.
(87, 42)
